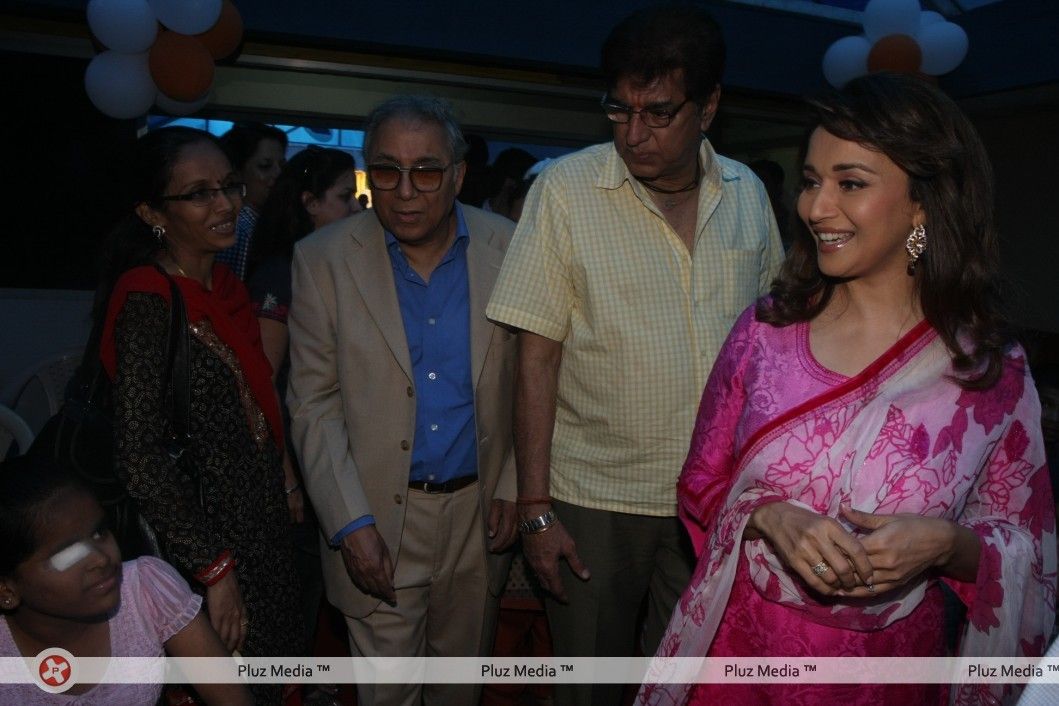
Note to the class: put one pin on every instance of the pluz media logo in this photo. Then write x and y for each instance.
(55, 670)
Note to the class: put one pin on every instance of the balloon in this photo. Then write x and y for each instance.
(223, 38)
(181, 67)
(846, 59)
(929, 17)
(173, 107)
(895, 52)
(120, 85)
(944, 47)
(126, 26)
(885, 17)
(187, 16)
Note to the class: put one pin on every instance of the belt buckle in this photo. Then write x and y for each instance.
(429, 488)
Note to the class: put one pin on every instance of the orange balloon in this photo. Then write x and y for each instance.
(895, 52)
(224, 37)
(181, 67)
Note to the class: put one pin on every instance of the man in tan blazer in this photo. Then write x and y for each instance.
(400, 400)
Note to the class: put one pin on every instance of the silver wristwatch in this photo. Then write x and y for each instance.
(538, 524)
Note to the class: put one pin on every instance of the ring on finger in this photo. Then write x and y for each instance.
(820, 569)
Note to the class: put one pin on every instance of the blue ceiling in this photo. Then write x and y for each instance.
(1012, 42)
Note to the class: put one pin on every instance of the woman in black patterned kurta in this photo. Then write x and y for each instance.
(232, 543)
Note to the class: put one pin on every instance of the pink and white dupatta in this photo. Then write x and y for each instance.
(900, 437)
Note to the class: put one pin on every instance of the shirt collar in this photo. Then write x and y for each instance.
(615, 172)
(461, 228)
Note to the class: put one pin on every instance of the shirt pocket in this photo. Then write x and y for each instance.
(737, 286)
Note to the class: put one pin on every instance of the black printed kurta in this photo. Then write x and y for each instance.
(240, 469)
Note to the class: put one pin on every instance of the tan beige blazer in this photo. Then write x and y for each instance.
(352, 396)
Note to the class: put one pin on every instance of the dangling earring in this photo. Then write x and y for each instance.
(915, 244)
(159, 233)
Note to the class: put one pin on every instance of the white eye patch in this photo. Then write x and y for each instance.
(66, 558)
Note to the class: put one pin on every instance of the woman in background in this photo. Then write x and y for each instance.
(869, 431)
(258, 153)
(317, 187)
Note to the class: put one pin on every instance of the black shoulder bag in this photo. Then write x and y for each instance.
(80, 437)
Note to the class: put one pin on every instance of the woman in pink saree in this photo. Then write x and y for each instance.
(868, 431)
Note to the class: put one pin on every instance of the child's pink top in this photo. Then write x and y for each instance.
(156, 603)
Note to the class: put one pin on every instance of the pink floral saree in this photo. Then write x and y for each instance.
(899, 437)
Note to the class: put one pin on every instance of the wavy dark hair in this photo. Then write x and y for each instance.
(284, 220)
(27, 484)
(656, 40)
(241, 141)
(956, 280)
(131, 243)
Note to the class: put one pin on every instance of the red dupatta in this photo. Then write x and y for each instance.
(226, 307)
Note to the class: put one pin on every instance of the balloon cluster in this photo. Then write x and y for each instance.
(144, 64)
(897, 37)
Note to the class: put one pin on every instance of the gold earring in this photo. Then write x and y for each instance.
(915, 244)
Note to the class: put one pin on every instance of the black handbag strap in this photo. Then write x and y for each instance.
(176, 380)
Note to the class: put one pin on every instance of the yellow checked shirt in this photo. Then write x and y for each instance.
(595, 265)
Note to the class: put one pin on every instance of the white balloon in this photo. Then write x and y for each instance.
(126, 26)
(846, 59)
(187, 16)
(929, 17)
(886, 17)
(120, 85)
(944, 47)
(173, 107)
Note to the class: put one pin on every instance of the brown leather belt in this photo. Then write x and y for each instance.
(449, 486)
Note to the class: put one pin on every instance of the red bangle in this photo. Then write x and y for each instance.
(217, 570)
(533, 501)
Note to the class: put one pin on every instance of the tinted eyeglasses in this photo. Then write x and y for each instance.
(651, 116)
(387, 177)
(204, 197)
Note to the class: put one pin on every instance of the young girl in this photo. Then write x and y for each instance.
(62, 584)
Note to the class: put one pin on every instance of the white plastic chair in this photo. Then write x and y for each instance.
(13, 431)
(37, 393)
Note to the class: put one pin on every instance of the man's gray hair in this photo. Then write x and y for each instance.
(421, 109)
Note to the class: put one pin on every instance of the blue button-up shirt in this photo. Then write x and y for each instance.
(437, 325)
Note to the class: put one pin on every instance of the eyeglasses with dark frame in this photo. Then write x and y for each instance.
(651, 116)
(425, 178)
(204, 197)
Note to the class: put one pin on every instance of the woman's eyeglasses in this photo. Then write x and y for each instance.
(204, 197)
(387, 177)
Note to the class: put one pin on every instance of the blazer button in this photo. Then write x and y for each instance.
(404, 444)
(411, 392)
(397, 499)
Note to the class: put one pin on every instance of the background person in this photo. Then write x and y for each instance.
(258, 153)
(869, 430)
(506, 174)
(315, 188)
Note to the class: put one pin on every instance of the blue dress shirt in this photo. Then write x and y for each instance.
(436, 317)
